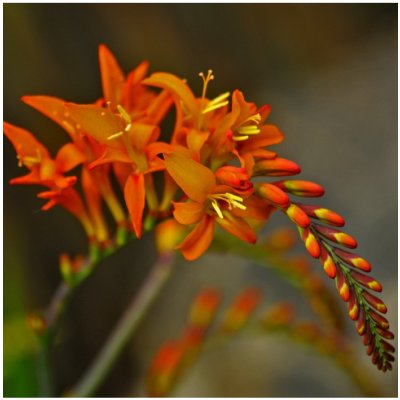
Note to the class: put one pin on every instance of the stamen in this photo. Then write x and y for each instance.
(115, 135)
(124, 114)
(217, 209)
(214, 106)
(206, 80)
(127, 118)
(247, 128)
(239, 138)
(230, 199)
(29, 161)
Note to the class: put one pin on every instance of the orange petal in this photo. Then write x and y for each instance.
(68, 157)
(178, 88)
(198, 240)
(53, 108)
(141, 134)
(25, 144)
(110, 155)
(194, 179)
(237, 227)
(270, 134)
(97, 122)
(188, 213)
(195, 139)
(256, 208)
(112, 77)
(135, 199)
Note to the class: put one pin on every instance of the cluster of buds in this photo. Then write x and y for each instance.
(216, 148)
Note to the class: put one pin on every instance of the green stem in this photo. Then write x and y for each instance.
(125, 328)
(46, 388)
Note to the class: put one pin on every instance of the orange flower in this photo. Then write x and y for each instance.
(49, 172)
(210, 201)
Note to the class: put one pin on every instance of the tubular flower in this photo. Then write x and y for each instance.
(217, 168)
(210, 200)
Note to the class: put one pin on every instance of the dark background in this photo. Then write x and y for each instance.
(330, 74)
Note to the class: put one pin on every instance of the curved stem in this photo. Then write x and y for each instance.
(127, 325)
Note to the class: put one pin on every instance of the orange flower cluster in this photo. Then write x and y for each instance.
(216, 148)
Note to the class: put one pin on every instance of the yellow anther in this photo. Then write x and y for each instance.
(124, 114)
(230, 199)
(115, 135)
(239, 138)
(127, 118)
(218, 102)
(29, 161)
(250, 126)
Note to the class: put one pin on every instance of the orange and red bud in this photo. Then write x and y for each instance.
(323, 214)
(235, 177)
(374, 302)
(273, 195)
(240, 310)
(342, 285)
(204, 308)
(328, 263)
(353, 259)
(297, 215)
(337, 236)
(276, 167)
(310, 241)
(366, 281)
(301, 188)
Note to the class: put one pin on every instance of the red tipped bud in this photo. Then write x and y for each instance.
(342, 285)
(235, 177)
(387, 346)
(164, 368)
(385, 333)
(298, 216)
(276, 167)
(310, 242)
(273, 195)
(328, 263)
(241, 309)
(337, 236)
(366, 281)
(374, 302)
(379, 319)
(361, 323)
(353, 305)
(354, 260)
(278, 316)
(323, 214)
(204, 307)
(301, 188)
(367, 336)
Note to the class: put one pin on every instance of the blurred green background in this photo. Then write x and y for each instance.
(329, 71)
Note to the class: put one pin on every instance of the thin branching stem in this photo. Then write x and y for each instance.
(125, 328)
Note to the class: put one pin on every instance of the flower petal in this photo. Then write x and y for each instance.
(53, 108)
(178, 87)
(97, 122)
(194, 179)
(199, 239)
(237, 227)
(188, 213)
(25, 144)
(68, 157)
(112, 77)
(135, 199)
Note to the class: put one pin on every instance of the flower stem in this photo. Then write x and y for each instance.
(125, 328)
